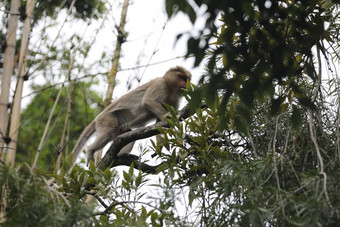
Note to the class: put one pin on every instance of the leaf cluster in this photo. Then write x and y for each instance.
(259, 47)
(31, 201)
(83, 9)
(268, 175)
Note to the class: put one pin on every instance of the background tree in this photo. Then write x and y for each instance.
(26, 12)
(84, 108)
(263, 45)
(266, 152)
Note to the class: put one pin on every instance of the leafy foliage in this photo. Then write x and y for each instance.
(120, 198)
(265, 152)
(270, 176)
(83, 9)
(31, 201)
(261, 47)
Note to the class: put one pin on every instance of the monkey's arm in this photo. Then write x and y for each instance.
(154, 97)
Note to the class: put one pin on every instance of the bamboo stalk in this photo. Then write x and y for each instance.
(68, 115)
(8, 70)
(116, 56)
(66, 124)
(42, 141)
(15, 118)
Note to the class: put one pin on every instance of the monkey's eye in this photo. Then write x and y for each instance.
(182, 77)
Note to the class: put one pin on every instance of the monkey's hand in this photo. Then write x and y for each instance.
(89, 157)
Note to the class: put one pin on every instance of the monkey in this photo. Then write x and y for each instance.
(135, 109)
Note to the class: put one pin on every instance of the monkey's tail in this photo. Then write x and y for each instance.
(85, 135)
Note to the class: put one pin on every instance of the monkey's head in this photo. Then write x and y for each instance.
(177, 77)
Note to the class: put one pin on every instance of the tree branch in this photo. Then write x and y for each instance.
(111, 160)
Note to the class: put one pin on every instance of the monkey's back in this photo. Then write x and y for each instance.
(131, 104)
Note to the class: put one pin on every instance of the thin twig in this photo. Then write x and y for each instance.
(42, 141)
(97, 197)
(115, 203)
(55, 39)
(321, 164)
(274, 155)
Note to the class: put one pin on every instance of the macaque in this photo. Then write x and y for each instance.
(135, 109)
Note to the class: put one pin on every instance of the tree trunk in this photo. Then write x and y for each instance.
(8, 70)
(15, 118)
(115, 62)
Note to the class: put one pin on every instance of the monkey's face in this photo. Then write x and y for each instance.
(177, 78)
(182, 81)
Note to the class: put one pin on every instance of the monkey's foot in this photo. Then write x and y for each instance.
(89, 157)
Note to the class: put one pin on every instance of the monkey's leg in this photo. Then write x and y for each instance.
(98, 144)
(107, 129)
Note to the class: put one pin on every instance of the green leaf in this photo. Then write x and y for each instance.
(295, 118)
(107, 174)
(144, 212)
(241, 124)
(154, 218)
(243, 112)
(305, 101)
(138, 179)
(191, 197)
(131, 169)
(92, 166)
(127, 177)
(169, 7)
(276, 105)
(195, 99)
(92, 181)
(126, 185)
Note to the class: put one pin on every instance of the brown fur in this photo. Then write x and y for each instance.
(135, 109)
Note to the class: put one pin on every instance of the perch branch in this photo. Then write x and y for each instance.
(111, 160)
